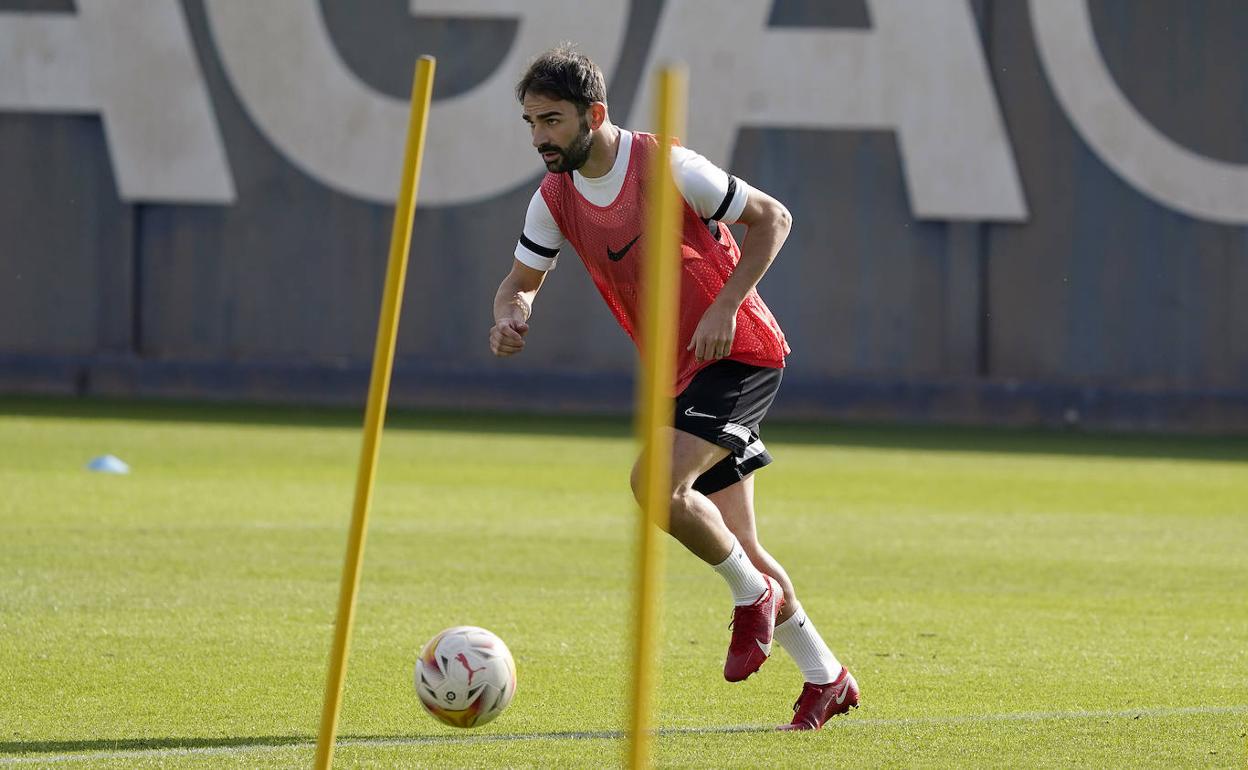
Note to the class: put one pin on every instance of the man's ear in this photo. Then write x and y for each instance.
(597, 115)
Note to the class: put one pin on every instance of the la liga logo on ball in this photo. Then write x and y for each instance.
(465, 676)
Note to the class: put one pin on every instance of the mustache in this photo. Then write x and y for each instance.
(549, 148)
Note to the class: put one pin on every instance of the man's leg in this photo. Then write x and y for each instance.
(694, 519)
(699, 526)
(736, 505)
(829, 688)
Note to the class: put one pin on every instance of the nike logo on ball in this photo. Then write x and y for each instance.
(616, 256)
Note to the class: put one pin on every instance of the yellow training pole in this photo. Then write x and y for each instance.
(654, 399)
(375, 414)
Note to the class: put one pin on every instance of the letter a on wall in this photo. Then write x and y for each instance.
(132, 62)
(919, 71)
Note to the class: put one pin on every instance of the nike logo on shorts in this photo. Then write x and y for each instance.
(690, 413)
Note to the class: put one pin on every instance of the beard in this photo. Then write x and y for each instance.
(574, 155)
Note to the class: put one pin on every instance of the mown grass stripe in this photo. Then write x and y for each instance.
(237, 748)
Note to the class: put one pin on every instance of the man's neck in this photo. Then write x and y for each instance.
(603, 152)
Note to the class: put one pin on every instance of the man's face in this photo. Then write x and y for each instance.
(561, 135)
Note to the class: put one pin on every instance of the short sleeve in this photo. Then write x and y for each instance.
(541, 239)
(710, 191)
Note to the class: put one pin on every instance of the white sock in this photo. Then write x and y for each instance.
(745, 581)
(798, 637)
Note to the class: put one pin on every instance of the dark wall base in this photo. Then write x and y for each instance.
(1020, 404)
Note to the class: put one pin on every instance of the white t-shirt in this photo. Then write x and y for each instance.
(705, 186)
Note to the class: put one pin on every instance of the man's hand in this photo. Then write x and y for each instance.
(507, 337)
(713, 337)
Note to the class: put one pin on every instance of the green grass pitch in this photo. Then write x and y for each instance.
(1004, 599)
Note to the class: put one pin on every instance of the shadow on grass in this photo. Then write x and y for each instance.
(140, 744)
(121, 745)
(926, 438)
(310, 416)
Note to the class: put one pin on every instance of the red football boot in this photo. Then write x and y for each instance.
(752, 626)
(820, 702)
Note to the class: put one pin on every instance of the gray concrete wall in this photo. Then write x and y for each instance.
(1100, 304)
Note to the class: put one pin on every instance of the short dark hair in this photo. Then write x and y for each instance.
(564, 73)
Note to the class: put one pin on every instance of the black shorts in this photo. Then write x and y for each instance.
(725, 404)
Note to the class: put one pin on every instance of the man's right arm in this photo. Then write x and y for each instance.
(512, 305)
(533, 259)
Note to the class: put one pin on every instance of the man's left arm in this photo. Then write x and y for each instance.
(767, 224)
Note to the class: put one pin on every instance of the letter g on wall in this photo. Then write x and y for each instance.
(307, 102)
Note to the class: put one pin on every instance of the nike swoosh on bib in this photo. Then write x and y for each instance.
(616, 256)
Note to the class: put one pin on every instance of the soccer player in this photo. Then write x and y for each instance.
(730, 348)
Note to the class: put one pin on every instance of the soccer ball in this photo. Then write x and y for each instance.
(465, 676)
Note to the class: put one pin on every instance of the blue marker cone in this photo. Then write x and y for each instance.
(108, 464)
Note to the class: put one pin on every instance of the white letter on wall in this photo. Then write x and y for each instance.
(282, 63)
(133, 62)
(1149, 160)
(919, 71)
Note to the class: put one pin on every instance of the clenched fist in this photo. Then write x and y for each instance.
(507, 337)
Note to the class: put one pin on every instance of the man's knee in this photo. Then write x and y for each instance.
(687, 502)
(680, 484)
(681, 498)
(679, 495)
